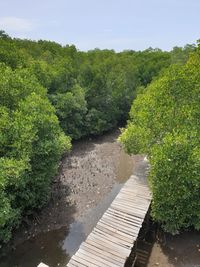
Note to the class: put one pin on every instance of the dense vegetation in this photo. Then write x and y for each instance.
(50, 94)
(165, 124)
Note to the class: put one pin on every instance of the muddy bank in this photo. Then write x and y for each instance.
(90, 177)
(181, 250)
(157, 248)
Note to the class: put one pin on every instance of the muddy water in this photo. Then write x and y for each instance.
(90, 178)
(157, 248)
(101, 167)
(181, 250)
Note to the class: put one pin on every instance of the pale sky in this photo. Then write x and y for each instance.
(111, 24)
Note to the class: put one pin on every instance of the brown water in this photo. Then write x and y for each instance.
(55, 247)
(181, 250)
(156, 248)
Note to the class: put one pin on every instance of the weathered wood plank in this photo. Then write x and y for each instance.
(81, 260)
(126, 215)
(121, 226)
(120, 230)
(111, 241)
(113, 238)
(108, 244)
(100, 251)
(123, 218)
(75, 263)
(104, 255)
(97, 259)
(105, 248)
(127, 210)
(117, 234)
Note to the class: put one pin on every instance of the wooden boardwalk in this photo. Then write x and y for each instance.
(111, 241)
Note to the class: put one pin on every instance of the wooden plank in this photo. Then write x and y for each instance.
(112, 232)
(118, 221)
(107, 254)
(132, 205)
(129, 211)
(81, 260)
(124, 251)
(136, 189)
(116, 238)
(136, 183)
(111, 241)
(76, 263)
(132, 194)
(132, 198)
(104, 255)
(121, 220)
(109, 226)
(105, 248)
(119, 225)
(97, 259)
(130, 216)
(124, 218)
(70, 264)
(135, 192)
(135, 195)
(133, 208)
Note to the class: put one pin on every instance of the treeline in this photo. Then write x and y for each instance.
(165, 124)
(50, 94)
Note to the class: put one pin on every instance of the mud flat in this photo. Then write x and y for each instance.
(181, 250)
(89, 179)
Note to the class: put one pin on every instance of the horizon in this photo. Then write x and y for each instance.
(125, 25)
(97, 48)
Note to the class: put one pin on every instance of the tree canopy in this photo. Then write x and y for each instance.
(50, 94)
(165, 124)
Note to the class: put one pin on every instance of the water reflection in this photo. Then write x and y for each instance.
(125, 167)
(45, 247)
(79, 230)
(55, 248)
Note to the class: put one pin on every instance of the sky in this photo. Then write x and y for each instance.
(104, 24)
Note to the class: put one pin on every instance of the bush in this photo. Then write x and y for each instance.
(165, 124)
(31, 146)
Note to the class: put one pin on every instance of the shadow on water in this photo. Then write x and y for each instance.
(43, 247)
(157, 248)
(182, 250)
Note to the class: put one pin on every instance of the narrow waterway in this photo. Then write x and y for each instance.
(90, 178)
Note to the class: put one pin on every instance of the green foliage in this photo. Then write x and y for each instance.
(44, 85)
(71, 108)
(175, 180)
(165, 124)
(180, 55)
(31, 146)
